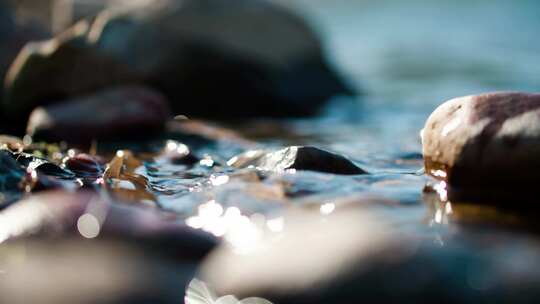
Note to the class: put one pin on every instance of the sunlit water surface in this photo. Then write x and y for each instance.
(406, 58)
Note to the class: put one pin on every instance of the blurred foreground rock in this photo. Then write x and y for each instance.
(78, 271)
(353, 257)
(299, 158)
(486, 143)
(210, 58)
(63, 215)
(117, 113)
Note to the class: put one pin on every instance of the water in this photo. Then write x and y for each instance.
(406, 58)
(410, 57)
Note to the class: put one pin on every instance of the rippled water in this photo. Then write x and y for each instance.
(406, 59)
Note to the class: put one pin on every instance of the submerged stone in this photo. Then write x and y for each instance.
(211, 58)
(115, 113)
(489, 141)
(299, 158)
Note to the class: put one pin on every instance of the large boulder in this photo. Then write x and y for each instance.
(210, 57)
(486, 146)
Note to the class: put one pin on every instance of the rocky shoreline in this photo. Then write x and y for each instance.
(152, 158)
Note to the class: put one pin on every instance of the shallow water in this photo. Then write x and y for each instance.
(406, 58)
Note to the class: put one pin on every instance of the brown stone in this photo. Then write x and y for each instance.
(121, 112)
(485, 140)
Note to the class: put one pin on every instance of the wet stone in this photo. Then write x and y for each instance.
(298, 158)
(84, 165)
(11, 177)
(488, 143)
(42, 166)
(120, 112)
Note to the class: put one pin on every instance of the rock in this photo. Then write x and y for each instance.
(12, 143)
(299, 158)
(42, 166)
(79, 271)
(12, 176)
(210, 58)
(486, 141)
(25, 173)
(13, 37)
(56, 214)
(116, 113)
(354, 257)
(85, 165)
(7, 29)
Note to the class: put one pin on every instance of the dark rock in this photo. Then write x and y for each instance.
(122, 112)
(84, 165)
(85, 214)
(13, 37)
(487, 142)
(12, 176)
(299, 158)
(27, 173)
(7, 30)
(177, 153)
(42, 166)
(211, 58)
